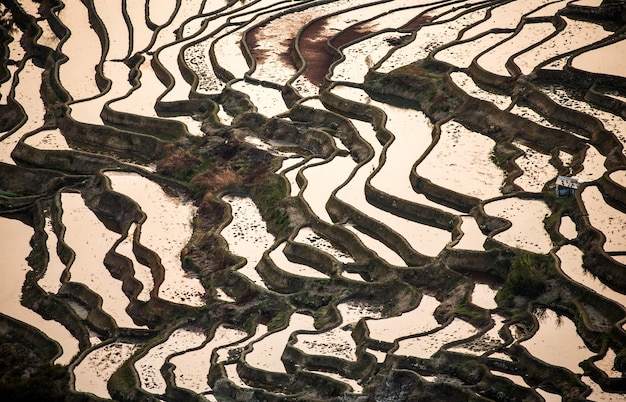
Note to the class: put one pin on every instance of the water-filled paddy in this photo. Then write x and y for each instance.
(189, 270)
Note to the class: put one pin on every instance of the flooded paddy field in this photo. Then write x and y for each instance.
(313, 200)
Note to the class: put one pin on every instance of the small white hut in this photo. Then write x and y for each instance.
(566, 186)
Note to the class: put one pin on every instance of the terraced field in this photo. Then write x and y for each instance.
(277, 200)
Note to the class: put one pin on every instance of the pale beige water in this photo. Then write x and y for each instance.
(160, 11)
(527, 231)
(360, 56)
(473, 238)
(142, 273)
(148, 367)
(294, 187)
(5, 87)
(619, 177)
(418, 320)
(111, 16)
(247, 235)
(493, 60)
(428, 38)
(462, 54)
(141, 33)
(95, 370)
(484, 295)
(568, 228)
(604, 60)
(605, 218)
(51, 280)
(425, 346)
(307, 236)
(611, 122)
(27, 95)
(598, 395)
(413, 134)
(607, 364)
(192, 367)
(283, 263)
(593, 167)
(505, 16)
(166, 231)
(576, 34)
(486, 342)
(536, 167)
(47, 38)
(268, 101)
(461, 150)
(14, 249)
(266, 352)
(142, 99)
(531, 115)
(384, 252)
(78, 74)
(467, 84)
(322, 180)
(91, 240)
(338, 342)
(88, 111)
(48, 140)
(556, 342)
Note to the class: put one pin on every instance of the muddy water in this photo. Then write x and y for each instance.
(51, 280)
(142, 273)
(307, 236)
(192, 367)
(78, 73)
(88, 266)
(148, 367)
(610, 221)
(166, 231)
(468, 85)
(266, 352)
(48, 140)
(88, 111)
(412, 322)
(473, 238)
(111, 15)
(428, 38)
(427, 345)
(338, 341)
(283, 263)
(323, 179)
(378, 247)
(14, 249)
(536, 167)
(27, 95)
(459, 55)
(494, 59)
(95, 370)
(505, 16)
(247, 235)
(527, 231)
(572, 266)
(575, 35)
(457, 148)
(556, 342)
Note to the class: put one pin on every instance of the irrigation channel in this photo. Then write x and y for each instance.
(319, 200)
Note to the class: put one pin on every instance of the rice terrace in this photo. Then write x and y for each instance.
(313, 200)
